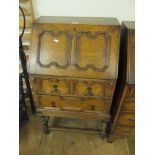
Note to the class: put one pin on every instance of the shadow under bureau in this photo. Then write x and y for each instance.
(73, 66)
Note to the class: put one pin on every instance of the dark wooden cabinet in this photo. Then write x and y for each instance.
(74, 66)
(123, 105)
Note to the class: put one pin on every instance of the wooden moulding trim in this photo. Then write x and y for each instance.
(76, 96)
(70, 114)
(72, 78)
(92, 36)
(129, 75)
(68, 50)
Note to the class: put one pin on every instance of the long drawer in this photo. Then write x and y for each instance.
(75, 87)
(126, 119)
(128, 106)
(124, 130)
(74, 103)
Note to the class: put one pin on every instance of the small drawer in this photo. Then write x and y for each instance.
(91, 88)
(124, 130)
(53, 86)
(74, 103)
(128, 105)
(126, 119)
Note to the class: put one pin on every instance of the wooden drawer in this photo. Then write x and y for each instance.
(128, 105)
(53, 86)
(90, 88)
(124, 130)
(74, 104)
(77, 88)
(126, 119)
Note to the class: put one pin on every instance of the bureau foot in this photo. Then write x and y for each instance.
(45, 124)
(103, 131)
(103, 134)
(110, 139)
(45, 130)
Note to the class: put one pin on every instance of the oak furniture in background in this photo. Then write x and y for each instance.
(123, 106)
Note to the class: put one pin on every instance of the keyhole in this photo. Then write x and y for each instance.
(89, 89)
(92, 107)
(53, 104)
(55, 87)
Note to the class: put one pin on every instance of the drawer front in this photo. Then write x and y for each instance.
(124, 130)
(103, 89)
(128, 105)
(99, 89)
(74, 104)
(126, 119)
(53, 86)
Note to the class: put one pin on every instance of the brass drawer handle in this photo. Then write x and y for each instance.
(53, 104)
(71, 109)
(55, 89)
(89, 89)
(110, 83)
(92, 107)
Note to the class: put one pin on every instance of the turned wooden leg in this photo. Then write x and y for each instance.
(110, 138)
(45, 124)
(103, 131)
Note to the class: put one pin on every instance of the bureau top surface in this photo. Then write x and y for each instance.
(129, 24)
(78, 20)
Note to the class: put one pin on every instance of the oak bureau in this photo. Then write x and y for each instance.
(74, 66)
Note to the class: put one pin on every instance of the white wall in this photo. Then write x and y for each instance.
(121, 9)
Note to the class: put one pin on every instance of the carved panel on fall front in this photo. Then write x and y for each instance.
(92, 51)
(54, 49)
